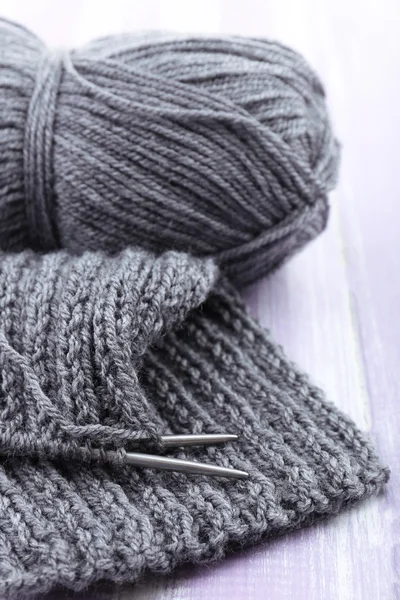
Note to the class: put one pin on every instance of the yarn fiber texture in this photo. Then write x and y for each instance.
(98, 350)
(220, 147)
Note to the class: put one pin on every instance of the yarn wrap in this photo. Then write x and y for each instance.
(38, 152)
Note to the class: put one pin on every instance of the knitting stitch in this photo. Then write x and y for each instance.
(98, 351)
(218, 147)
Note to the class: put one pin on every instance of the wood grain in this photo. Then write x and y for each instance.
(335, 307)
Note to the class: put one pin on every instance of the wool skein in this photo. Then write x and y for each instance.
(217, 146)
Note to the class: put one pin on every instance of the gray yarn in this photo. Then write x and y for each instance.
(220, 147)
(93, 351)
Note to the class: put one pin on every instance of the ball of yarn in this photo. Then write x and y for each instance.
(220, 147)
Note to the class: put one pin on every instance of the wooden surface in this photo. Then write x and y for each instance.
(335, 307)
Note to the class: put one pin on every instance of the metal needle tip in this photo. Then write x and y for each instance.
(165, 463)
(182, 466)
(201, 439)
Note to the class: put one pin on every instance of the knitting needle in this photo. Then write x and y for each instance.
(201, 439)
(196, 439)
(182, 466)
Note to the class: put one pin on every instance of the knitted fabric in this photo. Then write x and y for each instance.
(98, 352)
(220, 147)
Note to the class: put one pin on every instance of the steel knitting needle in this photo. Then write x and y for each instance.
(200, 439)
(190, 439)
(154, 461)
(164, 463)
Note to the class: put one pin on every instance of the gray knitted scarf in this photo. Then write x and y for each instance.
(99, 351)
(92, 354)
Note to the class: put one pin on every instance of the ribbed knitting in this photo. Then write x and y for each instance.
(98, 351)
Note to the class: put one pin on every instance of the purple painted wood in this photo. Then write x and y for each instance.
(335, 307)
